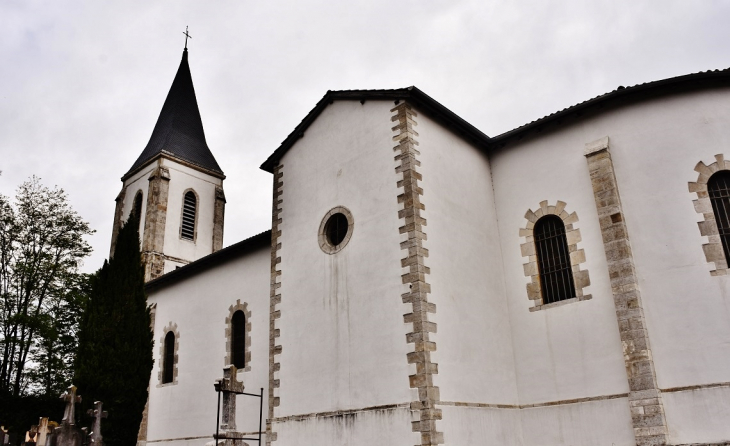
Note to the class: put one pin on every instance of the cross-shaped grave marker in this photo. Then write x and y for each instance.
(69, 414)
(98, 414)
(230, 387)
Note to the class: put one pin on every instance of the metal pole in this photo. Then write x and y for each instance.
(261, 413)
(218, 417)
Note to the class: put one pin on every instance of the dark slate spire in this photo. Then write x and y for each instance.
(179, 129)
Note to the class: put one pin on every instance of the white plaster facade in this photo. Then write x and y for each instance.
(329, 335)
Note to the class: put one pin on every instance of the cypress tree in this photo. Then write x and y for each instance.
(114, 359)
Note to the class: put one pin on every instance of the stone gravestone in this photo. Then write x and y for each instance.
(43, 430)
(98, 414)
(230, 387)
(68, 434)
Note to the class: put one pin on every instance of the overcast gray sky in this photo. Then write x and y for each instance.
(82, 83)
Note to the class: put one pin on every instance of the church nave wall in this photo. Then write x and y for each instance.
(199, 305)
(572, 350)
(575, 349)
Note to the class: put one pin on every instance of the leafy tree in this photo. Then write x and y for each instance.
(41, 249)
(52, 368)
(114, 359)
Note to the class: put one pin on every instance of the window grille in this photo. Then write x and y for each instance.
(188, 218)
(168, 362)
(238, 339)
(719, 188)
(553, 260)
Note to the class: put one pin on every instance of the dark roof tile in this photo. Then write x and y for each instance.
(179, 129)
(236, 250)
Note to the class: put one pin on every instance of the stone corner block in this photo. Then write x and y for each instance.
(596, 146)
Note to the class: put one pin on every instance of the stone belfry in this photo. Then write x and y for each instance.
(176, 186)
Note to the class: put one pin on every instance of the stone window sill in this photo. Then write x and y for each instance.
(561, 302)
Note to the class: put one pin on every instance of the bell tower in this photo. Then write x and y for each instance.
(175, 185)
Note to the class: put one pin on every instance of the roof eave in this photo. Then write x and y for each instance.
(617, 97)
(177, 159)
(257, 241)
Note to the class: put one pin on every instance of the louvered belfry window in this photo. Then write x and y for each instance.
(188, 217)
(238, 339)
(168, 361)
(553, 260)
(719, 188)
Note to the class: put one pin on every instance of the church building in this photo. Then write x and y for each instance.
(563, 283)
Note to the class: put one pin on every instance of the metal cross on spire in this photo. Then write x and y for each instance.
(186, 37)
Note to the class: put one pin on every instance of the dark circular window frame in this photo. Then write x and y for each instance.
(324, 242)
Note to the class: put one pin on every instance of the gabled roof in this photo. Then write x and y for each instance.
(413, 95)
(622, 95)
(179, 129)
(619, 96)
(258, 241)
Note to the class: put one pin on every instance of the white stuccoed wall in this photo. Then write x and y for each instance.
(687, 310)
(467, 279)
(342, 330)
(571, 351)
(574, 350)
(183, 178)
(200, 305)
(474, 346)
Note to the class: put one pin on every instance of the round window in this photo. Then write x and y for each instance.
(335, 230)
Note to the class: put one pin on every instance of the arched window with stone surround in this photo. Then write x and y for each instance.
(238, 336)
(713, 204)
(718, 188)
(168, 360)
(238, 339)
(189, 211)
(553, 256)
(553, 260)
